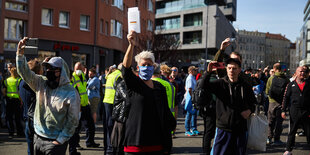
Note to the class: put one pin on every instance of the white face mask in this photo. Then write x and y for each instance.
(78, 72)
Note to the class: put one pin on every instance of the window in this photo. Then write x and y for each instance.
(106, 28)
(193, 19)
(116, 29)
(47, 17)
(84, 22)
(15, 6)
(150, 5)
(64, 19)
(101, 26)
(14, 30)
(149, 25)
(118, 3)
(168, 23)
(192, 37)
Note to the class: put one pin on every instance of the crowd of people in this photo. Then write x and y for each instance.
(49, 104)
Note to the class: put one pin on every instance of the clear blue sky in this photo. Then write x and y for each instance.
(274, 16)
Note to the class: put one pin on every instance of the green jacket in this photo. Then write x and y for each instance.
(269, 82)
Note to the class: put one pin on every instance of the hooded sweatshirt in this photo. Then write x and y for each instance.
(232, 99)
(56, 111)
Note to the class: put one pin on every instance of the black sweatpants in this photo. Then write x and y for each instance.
(297, 118)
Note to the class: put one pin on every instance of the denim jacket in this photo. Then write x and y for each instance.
(56, 111)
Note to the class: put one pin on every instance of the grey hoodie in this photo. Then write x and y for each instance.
(56, 112)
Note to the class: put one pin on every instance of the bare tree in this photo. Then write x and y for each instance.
(163, 46)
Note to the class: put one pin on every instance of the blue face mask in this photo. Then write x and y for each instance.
(146, 72)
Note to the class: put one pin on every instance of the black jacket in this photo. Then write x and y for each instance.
(299, 102)
(232, 99)
(28, 97)
(121, 104)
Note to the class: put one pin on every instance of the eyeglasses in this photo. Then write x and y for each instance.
(174, 70)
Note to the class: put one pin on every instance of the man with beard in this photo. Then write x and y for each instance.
(57, 103)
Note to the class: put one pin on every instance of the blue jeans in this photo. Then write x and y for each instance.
(190, 121)
(29, 132)
(229, 143)
(108, 125)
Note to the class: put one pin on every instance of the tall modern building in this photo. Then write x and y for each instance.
(93, 32)
(303, 42)
(199, 27)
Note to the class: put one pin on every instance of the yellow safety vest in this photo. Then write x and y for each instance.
(170, 91)
(109, 93)
(81, 85)
(12, 87)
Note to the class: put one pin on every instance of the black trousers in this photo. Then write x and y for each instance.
(209, 132)
(13, 113)
(297, 118)
(87, 119)
(44, 146)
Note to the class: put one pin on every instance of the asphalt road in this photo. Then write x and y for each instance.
(182, 145)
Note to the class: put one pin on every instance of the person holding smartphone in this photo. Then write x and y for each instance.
(57, 103)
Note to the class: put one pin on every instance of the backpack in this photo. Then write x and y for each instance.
(277, 88)
(203, 100)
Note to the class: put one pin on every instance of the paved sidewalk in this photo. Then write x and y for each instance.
(182, 145)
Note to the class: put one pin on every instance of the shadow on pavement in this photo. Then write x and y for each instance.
(190, 150)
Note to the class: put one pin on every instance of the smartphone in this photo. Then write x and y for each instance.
(32, 42)
(218, 65)
(232, 40)
(31, 46)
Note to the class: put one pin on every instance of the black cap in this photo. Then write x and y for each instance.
(234, 60)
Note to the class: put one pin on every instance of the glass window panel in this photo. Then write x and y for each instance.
(21, 29)
(106, 28)
(6, 45)
(12, 30)
(46, 18)
(64, 19)
(84, 22)
(150, 5)
(6, 28)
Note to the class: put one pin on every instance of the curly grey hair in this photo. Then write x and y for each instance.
(145, 55)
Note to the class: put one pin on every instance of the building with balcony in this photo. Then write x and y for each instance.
(303, 42)
(199, 27)
(92, 32)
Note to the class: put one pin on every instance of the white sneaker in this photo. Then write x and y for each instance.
(287, 153)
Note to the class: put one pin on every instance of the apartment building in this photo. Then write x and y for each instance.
(93, 32)
(199, 27)
(251, 45)
(260, 49)
(277, 50)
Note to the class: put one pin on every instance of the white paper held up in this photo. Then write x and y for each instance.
(134, 19)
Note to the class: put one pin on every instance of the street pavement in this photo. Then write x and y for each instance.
(182, 145)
